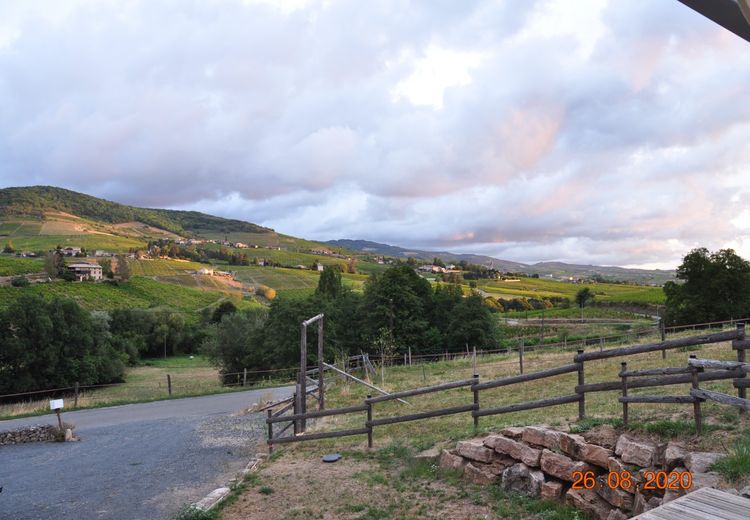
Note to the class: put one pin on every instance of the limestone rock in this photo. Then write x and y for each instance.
(701, 480)
(577, 447)
(616, 514)
(588, 501)
(701, 461)
(615, 496)
(451, 461)
(745, 492)
(479, 474)
(518, 450)
(513, 432)
(642, 452)
(603, 435)
(474, 450)
(674, 455)
(522, 479)
(641, 503)
(560, 466)
(542, 436)
(552, 490)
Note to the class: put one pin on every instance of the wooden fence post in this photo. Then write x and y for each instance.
(169, 384)
(741, 390)
(476, 399)
(475, 360)
(321, 368)
(582, 394)
(623, 368)
(520, 355)
(270, 432)
(697, 402)
(409, 356)
(75, 399)
(369, 421)
(244, 376)
(601, 343)
(298, 408)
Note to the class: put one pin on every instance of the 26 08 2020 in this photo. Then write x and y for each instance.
(624, 480)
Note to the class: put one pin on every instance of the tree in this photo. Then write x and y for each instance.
(329, 284)
(123, 268)
(224, 308)
(584, 296)
(472, 324)
(715, 286)
(236, 342)
(106, 264)
(9, 247)
(19, 281)
(54, 264)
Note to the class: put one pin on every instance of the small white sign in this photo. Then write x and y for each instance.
(54, 404)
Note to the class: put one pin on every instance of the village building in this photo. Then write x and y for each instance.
(85, 271)
(205, 271)
(71, 251)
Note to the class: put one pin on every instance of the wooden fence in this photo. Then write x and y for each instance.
(629, 379)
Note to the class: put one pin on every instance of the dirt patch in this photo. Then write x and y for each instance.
(299, 485)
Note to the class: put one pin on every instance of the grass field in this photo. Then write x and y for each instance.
(138, 292)
(540, 288)
(162, 267)
(13, 265)
(146, 382)
(89, 242)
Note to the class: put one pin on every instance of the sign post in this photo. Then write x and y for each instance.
(57, 405)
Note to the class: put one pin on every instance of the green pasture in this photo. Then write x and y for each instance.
(13, 265)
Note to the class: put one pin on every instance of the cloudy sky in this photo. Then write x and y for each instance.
(610, 132)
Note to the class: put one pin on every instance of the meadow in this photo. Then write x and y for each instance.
(138, 292)
(13, 265)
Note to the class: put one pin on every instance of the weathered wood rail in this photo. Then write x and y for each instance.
(693, 374)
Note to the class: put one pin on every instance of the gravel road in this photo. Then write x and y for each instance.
(134, 462)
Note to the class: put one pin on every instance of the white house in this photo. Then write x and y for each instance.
(206, 271)
(86, 271)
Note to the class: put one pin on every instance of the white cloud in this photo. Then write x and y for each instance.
(598, 131)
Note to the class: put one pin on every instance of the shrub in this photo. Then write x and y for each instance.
(19, 281)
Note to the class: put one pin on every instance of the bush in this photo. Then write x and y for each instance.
(19, 281)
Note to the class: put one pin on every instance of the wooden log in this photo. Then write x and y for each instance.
(741, 344)
(320, 413)
(624, 381)
(527, 377)
(741, 384)
(741, 389)
(368, 423)
(652, 347)
(422, 390)
(316, 436)
(422, 415)
(529, 405)
(285, 428)
(695, 372)
(169, 384)
(721, 398)
(581, 395)
(656, 399)
(658, 381)
(718, 365)
(476, 398)
(368, 385)
(321, 368)
(655, 372)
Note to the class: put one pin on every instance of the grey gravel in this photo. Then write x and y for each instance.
(134, 462)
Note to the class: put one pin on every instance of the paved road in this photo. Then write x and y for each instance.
(134, 462)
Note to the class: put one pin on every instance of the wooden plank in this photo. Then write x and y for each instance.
(655, 372)
(741, 344)
(316, 436)
(659, 381)
(721, 398)
(652, 347)
(741, 383)
(368, 385)
(421, 415)
(527, 377)
(529, 405)
(679, 399)
(719, 365)
(422, 390)
(702, 504)
(321, 413)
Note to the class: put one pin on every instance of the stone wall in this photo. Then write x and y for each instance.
(47, 433)
(540, 461)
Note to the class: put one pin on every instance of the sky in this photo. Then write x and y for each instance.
(603, 132)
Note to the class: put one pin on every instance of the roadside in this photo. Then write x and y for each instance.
(141, 461)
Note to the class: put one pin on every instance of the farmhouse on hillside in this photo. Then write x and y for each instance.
(85, 271)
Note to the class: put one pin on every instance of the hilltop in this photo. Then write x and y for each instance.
(550, 269)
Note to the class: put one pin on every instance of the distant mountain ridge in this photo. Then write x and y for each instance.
(34, 201)
(554, 269)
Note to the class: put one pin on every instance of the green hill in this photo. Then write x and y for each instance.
(36, 202)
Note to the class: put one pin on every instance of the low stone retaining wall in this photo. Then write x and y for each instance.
(46, 433)
(540, 462)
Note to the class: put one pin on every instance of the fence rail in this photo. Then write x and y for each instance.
(693, 373)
